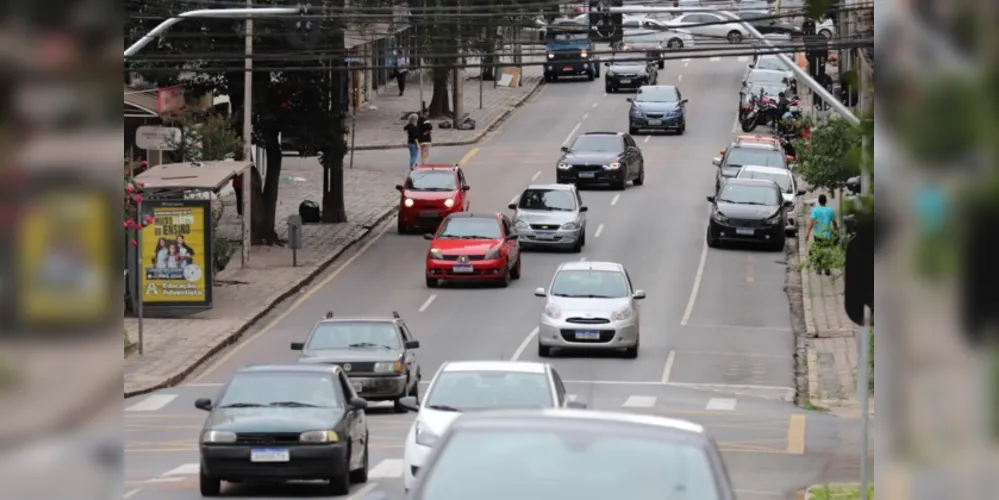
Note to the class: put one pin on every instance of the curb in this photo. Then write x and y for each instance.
(465, 142)
(182, 373)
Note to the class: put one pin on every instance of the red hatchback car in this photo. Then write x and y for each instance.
(431, 193)
(470, 246)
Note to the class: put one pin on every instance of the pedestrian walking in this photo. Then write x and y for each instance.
(823, 228)
(413, 132)
(426, 140)
(401, 71)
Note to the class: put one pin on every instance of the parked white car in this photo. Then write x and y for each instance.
(671, 38)
(825, 28)
(722, 29)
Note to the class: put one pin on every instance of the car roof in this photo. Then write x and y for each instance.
(674, 87)
(358, 319)
(551, 187)
(587, 265)
(474, 215)
(595, 132)
(573, 416)
(764, 70)
(764, 170)
(289, 368)
(750, 182)
(435, 166)
(495, 366)
(757, 139)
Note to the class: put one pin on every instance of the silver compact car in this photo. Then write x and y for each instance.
(551, 216)
(590, 305)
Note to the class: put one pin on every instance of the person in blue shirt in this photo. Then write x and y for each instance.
(822, 225)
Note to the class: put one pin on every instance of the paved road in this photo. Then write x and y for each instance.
(717, 345)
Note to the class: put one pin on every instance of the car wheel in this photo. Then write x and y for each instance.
(641, 177)
(631, 352)
(577, 246)
(622, 184)
(339, 482)
(400, 227)
(361, 475)
(608, 89)
(209, 486)
(712, 242)
(675, 44)
(544, 351)
(505, 280)
(683, 127)
(515, 274)
(734, 36)
(778, 244)
(632, 130)
(433, 282)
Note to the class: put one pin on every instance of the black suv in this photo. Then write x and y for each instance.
(378, 354)
(750, 210)
(601, 158)
(629, 70)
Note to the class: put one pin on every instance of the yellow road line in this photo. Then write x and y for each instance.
(796, 434)
(468, 156)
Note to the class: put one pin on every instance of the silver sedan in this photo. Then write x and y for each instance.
(550, 216)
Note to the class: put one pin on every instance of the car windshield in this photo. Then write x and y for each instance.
(757, 78)
(570, 36)
(657, 94)
(354, 335)
(629, 58)
(740, 157)
(782, 180)
(431, 180)
(546, 464)
(473, 228)
(590, 284)
(548, 199)
(282, 389)
(477, 390)
(598, 142)
(771, 63)
(640, 38)
(748, 195)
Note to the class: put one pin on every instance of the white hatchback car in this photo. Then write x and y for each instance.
(590, 305)
(461, 386)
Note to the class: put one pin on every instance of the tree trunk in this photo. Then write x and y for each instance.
(440, 103)
(334, 210)
(265, 197)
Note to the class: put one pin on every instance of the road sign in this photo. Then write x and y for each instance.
(153, 138)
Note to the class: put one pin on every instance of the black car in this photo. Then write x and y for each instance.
(751, 210)
(744, 153)
(768, 23)
(659, 107)
(601, 158)
(377, 354)
(629, 69)
(647, 42)
(284, 423)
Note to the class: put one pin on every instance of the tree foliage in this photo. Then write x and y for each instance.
(204, 137)
(828, 158)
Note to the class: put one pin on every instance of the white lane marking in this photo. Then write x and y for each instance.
(646, 139)
(132, 493)
(686, 63)
(721, 404)
(389, 467)
(361, 493)
(596, 104)
(614, 199)
(586, 115)
(679, 78)
(743, 58)
(523, 345)
(167, 479)
(571, 133)
(686, 60)
(715, 59)
(183, 470)
(153, 403)
(430, 300)
(582, 259)
(536, 175)
(697, 284)
(639, 402)
(600, 229)
(668, 369)
(571, 397)
(514, 199)
(613, 382)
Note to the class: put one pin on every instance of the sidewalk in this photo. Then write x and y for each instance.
(174, 347)
(380, 122)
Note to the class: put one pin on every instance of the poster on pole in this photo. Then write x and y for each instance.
(176, 255)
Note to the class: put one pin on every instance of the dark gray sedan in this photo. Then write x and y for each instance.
(577, 454)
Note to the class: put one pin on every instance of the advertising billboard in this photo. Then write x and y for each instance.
(176, 254)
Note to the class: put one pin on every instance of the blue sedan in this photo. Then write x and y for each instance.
(657, 107)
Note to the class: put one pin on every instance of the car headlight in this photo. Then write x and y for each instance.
(218, 437)
(319, 437)
(552, 311)
(394, 367)
(521, 224)
(570, 225)
(424, 437)
(564, 166)
(435, 253)
(449, 202)
(584, 54)
(623, 313)
(551, 56)
(613, 166)
(493, 254)
(637, 113)
(718, 217)
(408, 202)
(773, 220)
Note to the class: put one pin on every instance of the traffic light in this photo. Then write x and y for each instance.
(816, 52)
(858, 272)
(608, 25)
(980, 278)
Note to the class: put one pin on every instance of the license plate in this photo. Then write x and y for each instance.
(544, 234)
(587, 335)
(655, 122)
(358, 387)
(587, 175)
(567, 68)
(625, 81)
(269, 456)
(428, 214)
(744, 231)
(463, 269)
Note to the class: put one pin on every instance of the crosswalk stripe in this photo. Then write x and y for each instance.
(743, 58)
(715, 59)
(389, 467)
(153, 403)
(184, 470)
(639, 402)
(721, 404)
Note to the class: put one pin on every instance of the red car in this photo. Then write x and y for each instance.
(470, 246)
(431, 193)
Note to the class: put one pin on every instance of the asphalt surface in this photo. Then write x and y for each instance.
(717, 344)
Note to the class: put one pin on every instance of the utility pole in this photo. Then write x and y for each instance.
(247, 136)
(456, 107)
(333, 159)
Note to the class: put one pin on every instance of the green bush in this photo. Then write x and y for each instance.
(839, 492)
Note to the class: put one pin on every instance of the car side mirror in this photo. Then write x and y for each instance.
(409, 403)
(801, 192)
(539, 292)
(466, 187)
(512, 206)
(398, 187)
(710, 198)
(576, 405)
(629, 99)
(684, 101)
(203, 404)
(584, 209)
(297, 346)
(752, 65)
(564, 149)
(638, 295)
(788, 204)
(358, 403)
(716, 161)
(412, 344)
(428, 236)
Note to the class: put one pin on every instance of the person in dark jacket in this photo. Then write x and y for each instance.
(413, 132)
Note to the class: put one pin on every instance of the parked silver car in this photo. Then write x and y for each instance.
(550, 215)
(590, 305)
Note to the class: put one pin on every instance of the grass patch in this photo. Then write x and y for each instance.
(129, 345)
(839, 492)
(807, 404)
